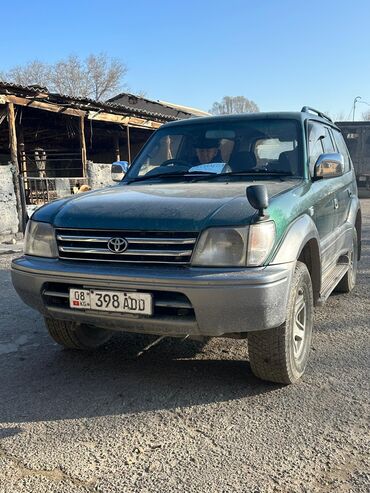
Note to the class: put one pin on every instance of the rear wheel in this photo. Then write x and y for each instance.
(75, 336)
(348, 282)
(281, 354)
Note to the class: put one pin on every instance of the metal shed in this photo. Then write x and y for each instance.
(357, 137)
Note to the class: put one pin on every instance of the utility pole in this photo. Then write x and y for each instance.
(357, 98)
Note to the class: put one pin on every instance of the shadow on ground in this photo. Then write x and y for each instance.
(40, 382)
(47, 383)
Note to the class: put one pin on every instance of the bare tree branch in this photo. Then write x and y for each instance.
(70, 77)
(232, 105)
(34, 72)
(105, 75)
(97, 77)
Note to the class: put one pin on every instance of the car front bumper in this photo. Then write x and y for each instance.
(218, 301)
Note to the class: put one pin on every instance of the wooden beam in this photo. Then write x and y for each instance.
(123, 120)
(107, 117)
(83, 146)
(91, 115)
(14, 158)
(42, 105)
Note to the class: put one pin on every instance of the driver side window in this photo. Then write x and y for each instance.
(316, 133)
(165, 149)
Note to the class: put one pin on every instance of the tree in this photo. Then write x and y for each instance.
(366, 115)
(70, 77)
(105, 75)
(34, 72)
(97, 76)
(234, 104)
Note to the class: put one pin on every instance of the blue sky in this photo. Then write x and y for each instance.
(282, 54)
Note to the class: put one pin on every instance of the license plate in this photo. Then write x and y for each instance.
(111, 301)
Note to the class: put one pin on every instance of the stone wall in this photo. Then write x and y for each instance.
(9, 223)
(99, 175)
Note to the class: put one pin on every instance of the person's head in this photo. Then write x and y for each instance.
(206, 150)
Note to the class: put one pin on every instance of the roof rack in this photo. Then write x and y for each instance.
(306, 109)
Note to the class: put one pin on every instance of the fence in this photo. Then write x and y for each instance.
(51, 162)
(39, 191)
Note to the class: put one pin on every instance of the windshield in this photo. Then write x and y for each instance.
(223, 148)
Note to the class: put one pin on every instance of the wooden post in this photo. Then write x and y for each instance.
(19, 194)
(128, 144)
(116, 147)
(12, 135)
(22, 152)
(83, 146)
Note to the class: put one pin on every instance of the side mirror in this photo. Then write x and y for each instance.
(329, 166)
(119, 169)
(258, 198)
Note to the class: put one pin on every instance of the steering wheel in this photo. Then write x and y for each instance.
(260, 168)
(175, 162)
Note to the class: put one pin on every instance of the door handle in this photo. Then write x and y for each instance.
(349, 192)
(336, 205)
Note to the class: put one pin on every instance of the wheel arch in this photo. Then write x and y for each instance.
(301, 242)
(355, 219)
(310, 256)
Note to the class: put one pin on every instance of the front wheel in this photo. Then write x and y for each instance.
(280, 354)
(75, 336)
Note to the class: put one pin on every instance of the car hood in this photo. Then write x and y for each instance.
(181, 207)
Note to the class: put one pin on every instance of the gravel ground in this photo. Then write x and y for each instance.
(185, 417)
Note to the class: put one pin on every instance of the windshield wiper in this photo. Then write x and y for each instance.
(210, 175)
(169, 175)
(251, 173)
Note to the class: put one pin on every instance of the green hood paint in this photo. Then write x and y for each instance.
(162, 206)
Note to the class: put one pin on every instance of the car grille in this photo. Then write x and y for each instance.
(142, 246)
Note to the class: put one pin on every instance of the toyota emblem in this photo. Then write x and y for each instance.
(117, 245)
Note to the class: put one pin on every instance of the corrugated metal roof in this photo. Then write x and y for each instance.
(42, 94)
(187, 109)
(169, 109)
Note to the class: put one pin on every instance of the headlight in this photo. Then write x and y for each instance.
(235, 247)
(40, 240)
(222, 247)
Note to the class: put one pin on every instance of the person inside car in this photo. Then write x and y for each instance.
(207, 151)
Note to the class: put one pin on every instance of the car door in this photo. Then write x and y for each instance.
(323, 192)
(346, 189)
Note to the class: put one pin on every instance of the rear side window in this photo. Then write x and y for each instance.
(267, 150)
(342, 148)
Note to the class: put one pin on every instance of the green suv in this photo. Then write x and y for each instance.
(230, 226)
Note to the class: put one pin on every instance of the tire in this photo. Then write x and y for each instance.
(280, 354)
(348, 282)
(74, 336)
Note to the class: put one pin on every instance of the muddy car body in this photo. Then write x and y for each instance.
(222, 226)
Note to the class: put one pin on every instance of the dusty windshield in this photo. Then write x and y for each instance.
(222, 148)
